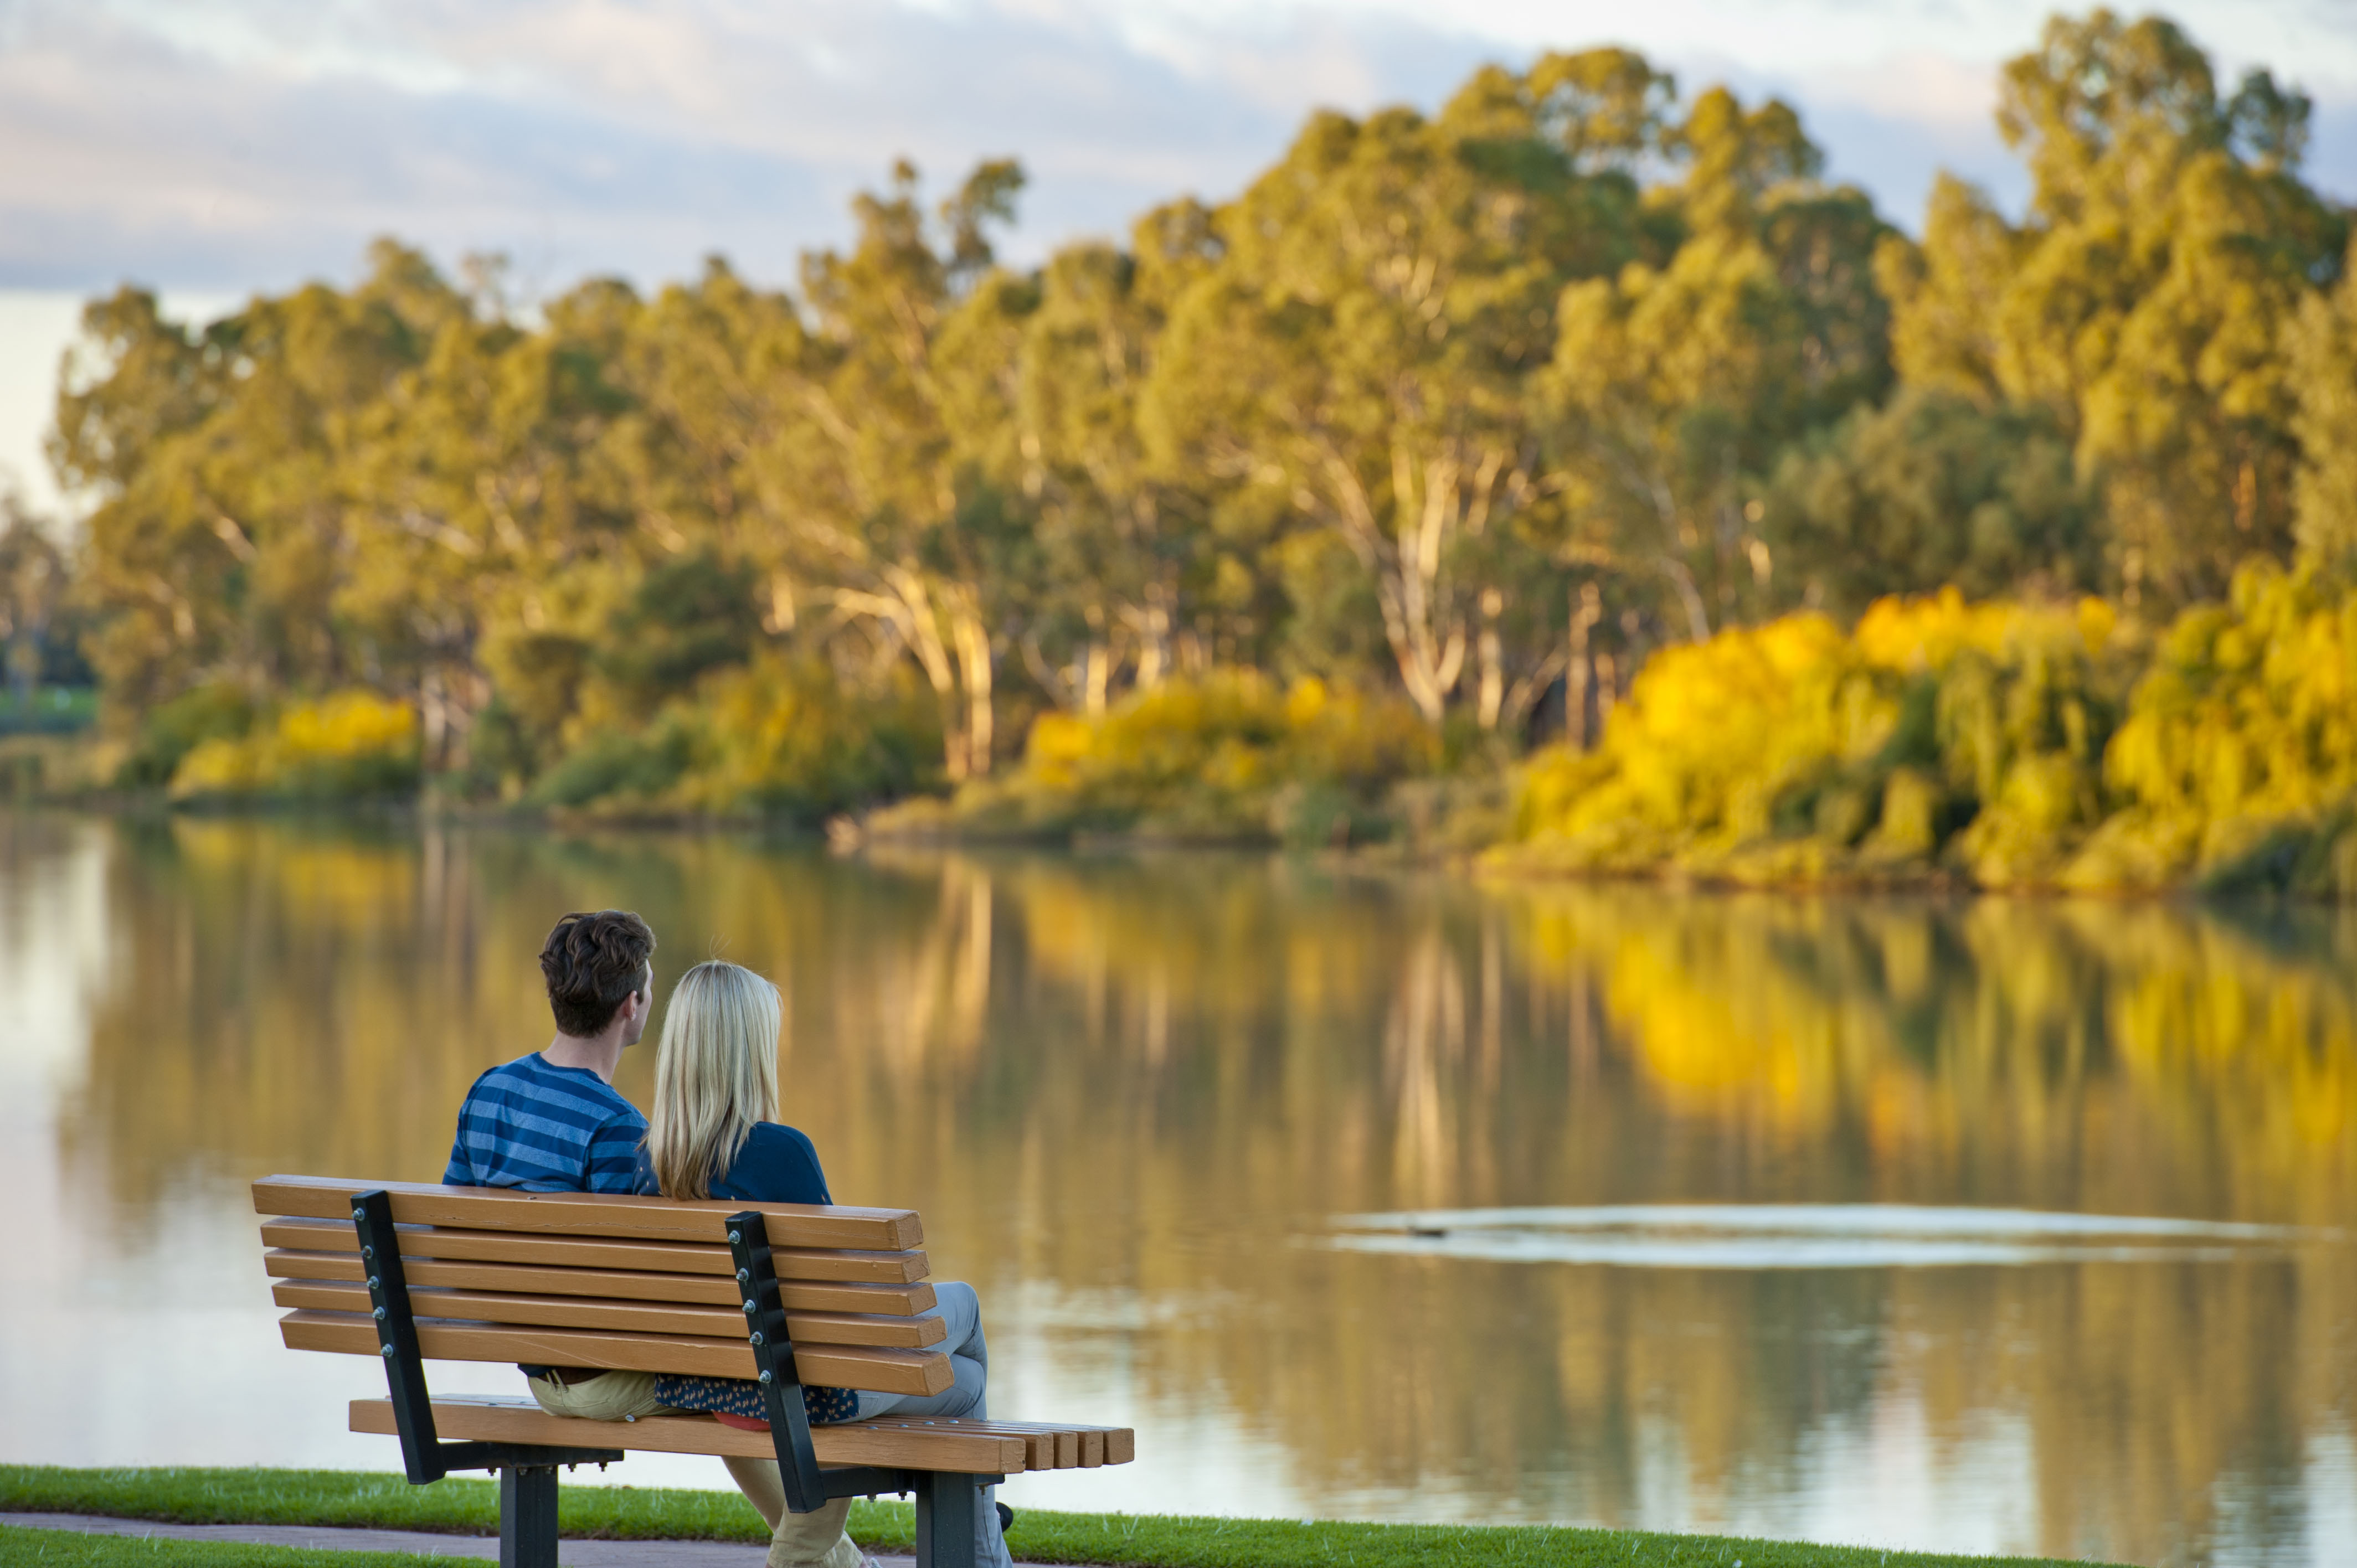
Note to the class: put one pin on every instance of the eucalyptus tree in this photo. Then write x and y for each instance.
(34, 576)
(2169, 246)
(1675, 382)
(872, 483)
(219, 463)
(1929, 490)
(1120, 549)
(1359, 350)
(129, 393)
(491, 526)
(2323, 345)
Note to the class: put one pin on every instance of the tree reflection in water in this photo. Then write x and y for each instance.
(1132, 1092)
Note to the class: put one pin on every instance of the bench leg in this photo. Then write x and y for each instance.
(949, 1506)
(528, 1516)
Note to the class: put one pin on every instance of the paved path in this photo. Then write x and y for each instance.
(572, 1553)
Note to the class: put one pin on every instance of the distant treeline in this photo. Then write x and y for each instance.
(1404, 461)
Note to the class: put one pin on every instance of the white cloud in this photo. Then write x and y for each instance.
(1943, 96)
(251, 142)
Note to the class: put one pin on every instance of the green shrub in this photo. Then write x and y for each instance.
(618, 769)
(169, 731)
(780, 739)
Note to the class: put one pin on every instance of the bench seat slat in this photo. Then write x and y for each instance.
(630, 1318)
(903, 1300)
(591, 1214)
(910, 1441)
(955, 1448)
(1051, 1446)
(827, 1263)
(885, 1369)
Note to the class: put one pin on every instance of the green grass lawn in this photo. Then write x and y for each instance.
(471, 1507)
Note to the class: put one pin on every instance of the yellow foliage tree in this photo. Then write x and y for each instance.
(352, 744)
(2237, 764)
(1939, 735)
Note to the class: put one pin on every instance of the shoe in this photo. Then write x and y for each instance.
(1005, 1518)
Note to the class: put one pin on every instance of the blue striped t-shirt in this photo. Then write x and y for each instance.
(530, 1123)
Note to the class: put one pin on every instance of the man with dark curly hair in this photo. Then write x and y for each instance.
(551, 1122)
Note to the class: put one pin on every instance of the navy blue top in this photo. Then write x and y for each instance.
(777, 1165)
(532, 1124)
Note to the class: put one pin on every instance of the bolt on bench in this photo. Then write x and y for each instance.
(780, 1293)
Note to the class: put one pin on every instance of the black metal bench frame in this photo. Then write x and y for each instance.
(949, 1503)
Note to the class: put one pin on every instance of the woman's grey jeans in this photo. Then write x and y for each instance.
(960, 1309)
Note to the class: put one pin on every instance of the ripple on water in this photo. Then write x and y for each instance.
(1804, 1236)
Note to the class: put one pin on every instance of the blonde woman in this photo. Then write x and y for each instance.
(714, 1133)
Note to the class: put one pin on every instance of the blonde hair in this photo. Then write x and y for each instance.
(716, 1075)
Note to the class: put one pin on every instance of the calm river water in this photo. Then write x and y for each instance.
(1987, 1226)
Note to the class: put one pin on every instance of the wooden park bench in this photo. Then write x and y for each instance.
(780, 1293)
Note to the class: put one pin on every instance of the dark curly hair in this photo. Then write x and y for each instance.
(592, 961)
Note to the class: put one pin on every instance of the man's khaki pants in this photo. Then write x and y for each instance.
(796, 1540)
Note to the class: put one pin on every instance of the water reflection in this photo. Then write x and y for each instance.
(1138, 1099)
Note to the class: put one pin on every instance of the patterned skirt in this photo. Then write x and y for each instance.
(741, 1398)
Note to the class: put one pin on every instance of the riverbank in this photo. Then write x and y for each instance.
(467, 1507)
(1937, 746)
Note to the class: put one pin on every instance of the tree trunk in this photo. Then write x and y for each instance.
(909, 610)
(1409, 561)
(432, 716)
(1492, 659)
(1096, 677)
(1689, 598)
(1585, 611)
(974, 664)
(1153, 644)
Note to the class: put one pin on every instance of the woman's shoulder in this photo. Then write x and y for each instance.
(777, 1165)
(777, 1138)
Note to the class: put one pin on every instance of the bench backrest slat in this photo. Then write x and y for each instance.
(601, 1214)
(627, 1317)
(919, 1372)
(608, 1282)
(595, 1253)
(709, 1290)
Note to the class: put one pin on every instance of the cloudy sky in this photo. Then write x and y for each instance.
(214, 147)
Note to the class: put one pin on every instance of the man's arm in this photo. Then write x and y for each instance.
(460, 1172)
(613, 1163)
